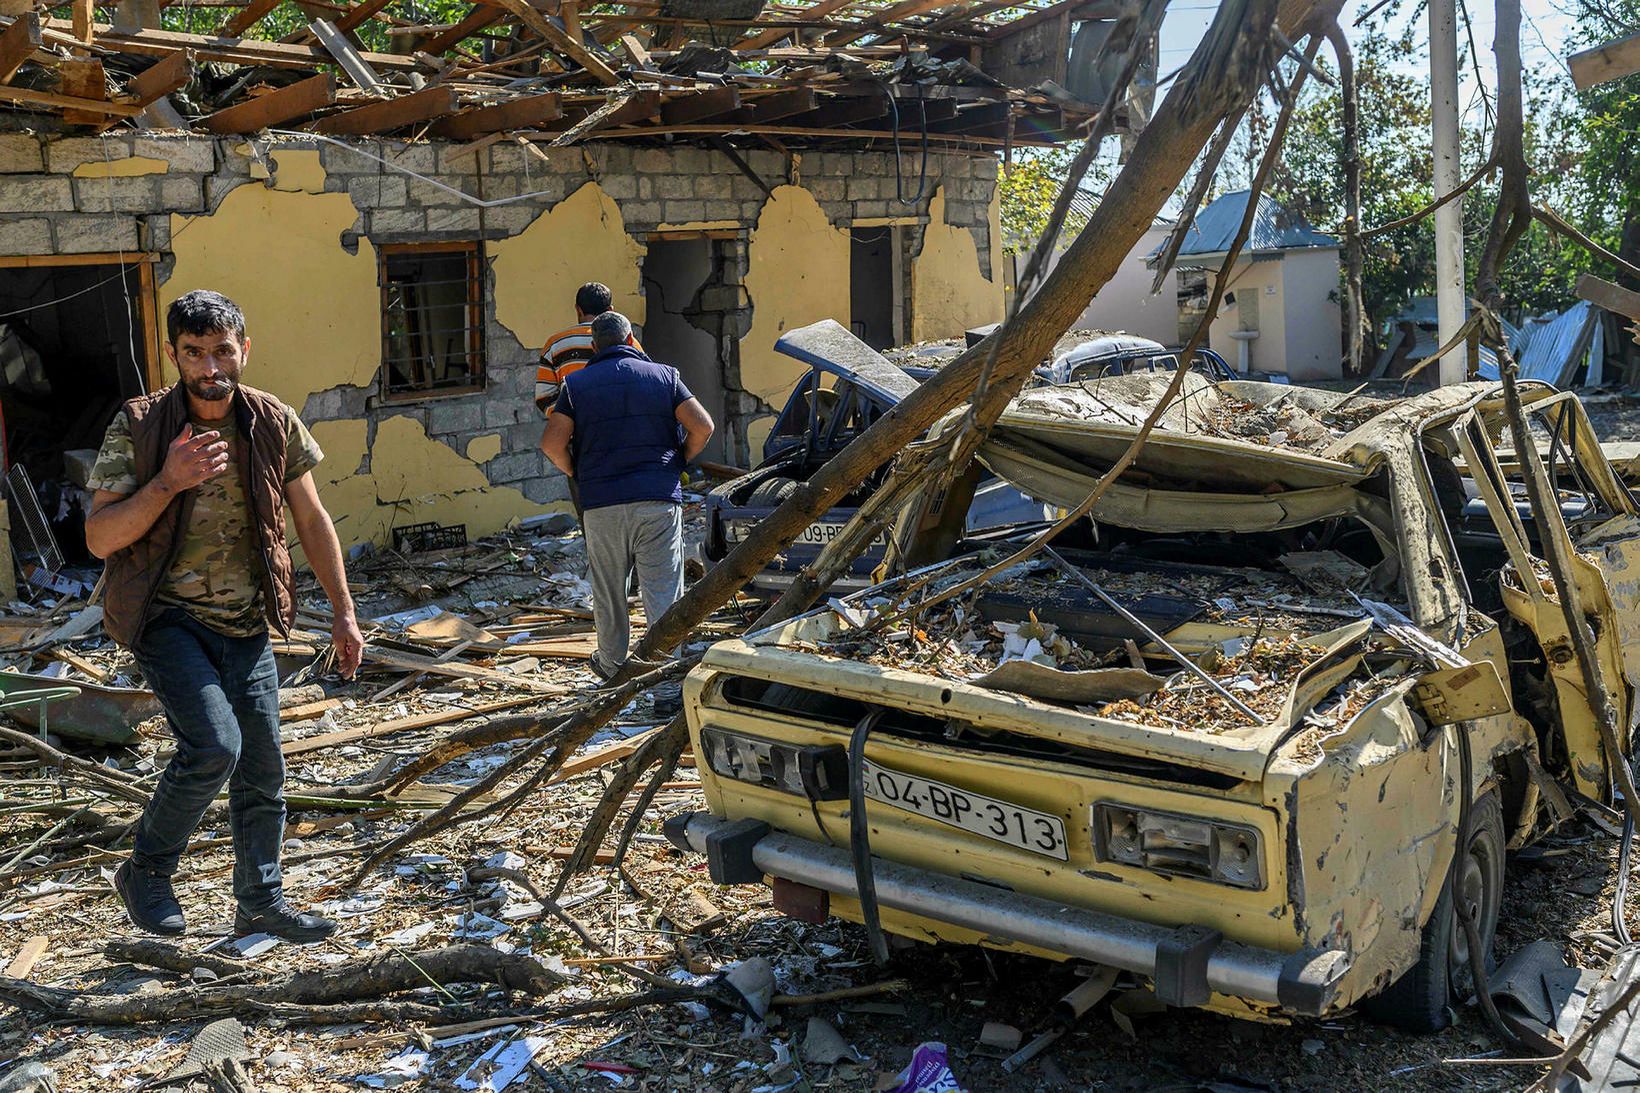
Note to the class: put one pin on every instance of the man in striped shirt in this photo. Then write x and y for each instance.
(569, 350)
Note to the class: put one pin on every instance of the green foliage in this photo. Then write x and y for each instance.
(1028, 189)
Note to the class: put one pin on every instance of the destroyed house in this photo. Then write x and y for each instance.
(406, 229)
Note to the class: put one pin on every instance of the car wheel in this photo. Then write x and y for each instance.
(1422, 999)
(774, 491)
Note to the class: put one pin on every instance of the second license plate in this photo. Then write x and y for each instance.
(1023, 828)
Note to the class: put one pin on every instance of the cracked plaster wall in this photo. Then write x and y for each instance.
(292, 232)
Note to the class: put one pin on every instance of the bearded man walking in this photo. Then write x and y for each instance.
(191, 487)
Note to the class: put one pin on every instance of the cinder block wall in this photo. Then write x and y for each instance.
(136, 193)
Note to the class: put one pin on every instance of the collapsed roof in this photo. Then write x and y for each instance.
(956, 74)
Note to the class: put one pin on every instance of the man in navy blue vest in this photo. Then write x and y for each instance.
(623, 428)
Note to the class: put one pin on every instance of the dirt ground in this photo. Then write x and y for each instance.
(417, 900)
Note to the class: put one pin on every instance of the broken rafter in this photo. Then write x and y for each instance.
(246, 18)
(84, 17)
(159, 80)
(700, 106)
(1604, 63)
(560, 40)
(1612, 297)
(17, 44)
(69, 102)
(296, 101)
(809, 15)
(381, 117)
(359, 13)
(476, 20)
(163, 43)
(621, 110)
(523, 113)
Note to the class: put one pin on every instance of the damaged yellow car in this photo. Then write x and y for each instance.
(1212, 738)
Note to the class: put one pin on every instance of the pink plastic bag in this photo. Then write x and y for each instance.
(928, 1072)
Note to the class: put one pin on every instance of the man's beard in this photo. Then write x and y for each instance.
(213, 390)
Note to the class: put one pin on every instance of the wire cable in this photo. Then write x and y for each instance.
(922, 170)
(859, 835)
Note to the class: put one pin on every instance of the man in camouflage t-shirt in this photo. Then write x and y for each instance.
(188, 508)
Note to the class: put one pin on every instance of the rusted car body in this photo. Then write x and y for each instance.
(1365, 580)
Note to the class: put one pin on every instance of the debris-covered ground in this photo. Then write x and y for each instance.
(501, 628)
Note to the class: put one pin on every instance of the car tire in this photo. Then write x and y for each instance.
(774, 491)
(1421, 1000)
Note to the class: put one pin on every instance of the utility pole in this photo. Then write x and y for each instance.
(1443, 94)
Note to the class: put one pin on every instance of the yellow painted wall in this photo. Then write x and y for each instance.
(950, 291)
(128, 167)
(412, 479)
(310, 306)
(797, 274)
(581, 239)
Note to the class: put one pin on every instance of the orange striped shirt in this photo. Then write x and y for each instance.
(567, 352)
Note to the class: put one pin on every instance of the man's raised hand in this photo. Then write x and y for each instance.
(194, 459)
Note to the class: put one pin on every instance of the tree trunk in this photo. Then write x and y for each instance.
(1223, 73)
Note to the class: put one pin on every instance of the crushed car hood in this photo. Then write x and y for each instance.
(830, 347)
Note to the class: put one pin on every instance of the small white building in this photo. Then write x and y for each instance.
(1281, 312)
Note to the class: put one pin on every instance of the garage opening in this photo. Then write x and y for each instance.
(76, 340)
(677, 330)
(873, 286)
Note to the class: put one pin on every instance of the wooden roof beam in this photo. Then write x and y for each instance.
(481, 16)
(522, 113)
(700, 106)
(158, 80)
(624, 109)
(560, 40)
(782, 104)
(1078, 9)
(246, 18)
(17, 44)
(276, 107)
(163, 43)
(770, 37)
(1607, 62)
(381, 117)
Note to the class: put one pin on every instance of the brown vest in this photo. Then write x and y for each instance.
(133, 575)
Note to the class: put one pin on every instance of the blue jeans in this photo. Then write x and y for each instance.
(221, 697)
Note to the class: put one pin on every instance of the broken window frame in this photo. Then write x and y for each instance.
(472, 327)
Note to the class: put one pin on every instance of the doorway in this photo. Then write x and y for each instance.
(674, 272)
(77, 338)
(873, 286)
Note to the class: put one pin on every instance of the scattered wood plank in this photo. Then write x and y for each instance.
(1604, 63)
(74, 660)
(307, 711)
(163, 43)
(69, 102)
(403, 724)
(246, 18)
(276, 107)
(83, 79)
(17, 44)
(700, 106)
(380, 117)
(84, 17)
(1609, 296)
(155, 82)
(560, 40)
(359, 13)
(523, 113)
(476, 20)
(610, 753)
(636, 51)
(412, 662)
(28, 956)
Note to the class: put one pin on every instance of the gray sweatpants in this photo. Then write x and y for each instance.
(649, 533)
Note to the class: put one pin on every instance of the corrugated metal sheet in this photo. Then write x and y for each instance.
(1553, 347)
(1274, 228)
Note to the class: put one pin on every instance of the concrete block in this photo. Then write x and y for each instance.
(684, 212)
(986, 167)
(674, 186)
(93, 234)
(218, 186)
(695, 161)
(505, 157)
(825, 189)
(721, 210)
(524, 436)
(461, 414)
(38, 194)
(652, 161)
(716, 185)
(67, 153)
(31, 236)
(323, 406)
(612, 159)
(185, 154)
(621, 187)
(454, 159)
(507, 412)
(742, 188)
(421, 158)
(104, 195)
(348, 160)
(397, 221)
(181, 194)
(365, 191)
(546, 489)
(509, 219)
(514, 466)
(156, 232)
(462, 218)
(865, 209)
(21, 154)
(648, 213)
(863, 188)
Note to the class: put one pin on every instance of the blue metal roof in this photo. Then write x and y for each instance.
(1274, 228)
(1553, 347)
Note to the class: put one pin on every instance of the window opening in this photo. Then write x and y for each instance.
(432, 319)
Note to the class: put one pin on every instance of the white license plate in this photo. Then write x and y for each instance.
(1023, 828)
(821, 533)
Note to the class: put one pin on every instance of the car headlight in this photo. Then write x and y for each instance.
(1179, 846)
(817, 772)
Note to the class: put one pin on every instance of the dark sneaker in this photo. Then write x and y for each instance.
(150, 903)
(284, 921)
(603, 671)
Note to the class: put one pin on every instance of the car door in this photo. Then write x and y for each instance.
(1601, 536)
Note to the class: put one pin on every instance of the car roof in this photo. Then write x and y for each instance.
(830, 347)
(1107, 346)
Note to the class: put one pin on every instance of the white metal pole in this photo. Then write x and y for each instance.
(1443, 93)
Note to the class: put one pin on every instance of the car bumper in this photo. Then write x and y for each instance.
(1187, 964)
